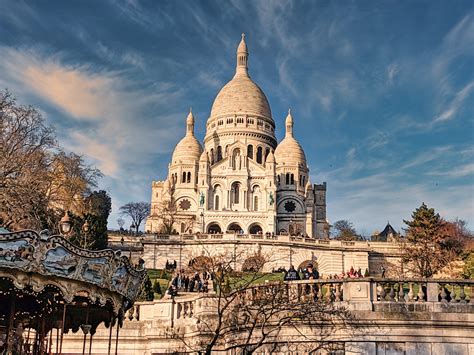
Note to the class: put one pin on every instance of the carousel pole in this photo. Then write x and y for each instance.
(42, 336)
(62, 329)
(85, 334)
(110, 332)
(90, 344)
(50, 340)
(117, 335)
(57, 338)
(10, 323)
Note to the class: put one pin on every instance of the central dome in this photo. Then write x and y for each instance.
(241, 95)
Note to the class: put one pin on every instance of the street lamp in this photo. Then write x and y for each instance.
(85, 230)
(65, 224)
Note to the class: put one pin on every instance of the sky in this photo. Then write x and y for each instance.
(381, 92)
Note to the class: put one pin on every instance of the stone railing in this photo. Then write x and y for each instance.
(364, 294)
(425, 290)
(151, 238)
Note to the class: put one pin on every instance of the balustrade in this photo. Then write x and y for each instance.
(422, 290)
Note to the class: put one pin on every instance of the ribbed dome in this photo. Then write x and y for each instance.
(188, 149)
(241, 95)
(289, 151)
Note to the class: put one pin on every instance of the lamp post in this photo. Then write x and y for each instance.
(85, 230)
(65, 224)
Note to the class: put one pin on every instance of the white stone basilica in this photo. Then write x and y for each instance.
(243, 180)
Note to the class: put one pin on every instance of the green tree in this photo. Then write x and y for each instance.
(424, 250)
(147, 293)
(97, 210)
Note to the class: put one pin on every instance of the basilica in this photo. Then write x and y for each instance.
(241, 179)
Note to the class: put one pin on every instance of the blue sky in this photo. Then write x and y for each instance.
(382, 92)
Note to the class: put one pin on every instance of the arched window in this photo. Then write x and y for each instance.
(304, 180)
(287, 178)
(267, 151)
(219, 153)
(212, 156)
(235, 193)
(292, 179)
(216, 203)
(255, 203)
(250, 151)
(259, 155)
(189, 177)
(183, 179)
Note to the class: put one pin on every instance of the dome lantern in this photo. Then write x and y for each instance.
(242, 57)
(190, 123)
(289, 124)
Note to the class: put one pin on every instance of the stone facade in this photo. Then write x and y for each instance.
(242, 180)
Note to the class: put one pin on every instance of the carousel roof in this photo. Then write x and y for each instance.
(45, 274)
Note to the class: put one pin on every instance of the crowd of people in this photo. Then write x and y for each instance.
(182, 282)
(310, 273)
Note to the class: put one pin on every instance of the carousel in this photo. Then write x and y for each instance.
(49, 287)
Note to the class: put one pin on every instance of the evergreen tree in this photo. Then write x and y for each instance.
(424, 248)
(147, 293)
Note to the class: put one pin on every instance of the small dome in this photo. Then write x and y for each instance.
(204, 157)
(271, 157)
(188, 149)
(289, 151)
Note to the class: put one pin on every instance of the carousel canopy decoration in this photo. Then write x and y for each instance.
(71, 269)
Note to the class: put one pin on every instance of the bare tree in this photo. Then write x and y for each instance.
(38, 181)
(248, 315)
(344, 230)
(171, 216)
(137, 211)
(120, 222)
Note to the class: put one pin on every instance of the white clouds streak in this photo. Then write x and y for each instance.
(114, 128)
(456, 104)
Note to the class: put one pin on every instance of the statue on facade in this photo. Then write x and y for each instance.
(202, 199)
(271, 200)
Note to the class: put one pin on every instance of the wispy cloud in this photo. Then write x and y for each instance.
(455, 104)
(106, 100)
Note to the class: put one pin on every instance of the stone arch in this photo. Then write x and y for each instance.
(214, 228)
(235, 192)
(219, 153)
(234, 227)
(255, 228)
(259, 155)
(253, 263)
(250, 151)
